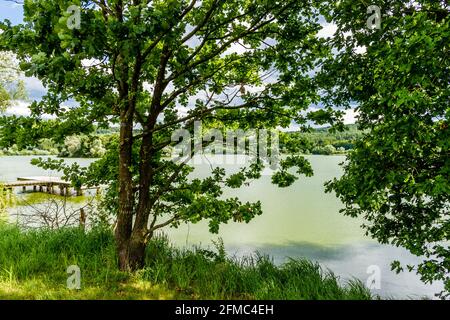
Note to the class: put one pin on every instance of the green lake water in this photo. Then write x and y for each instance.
(300, 221)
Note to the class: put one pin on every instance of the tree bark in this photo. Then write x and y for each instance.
(136, 252)
(126, 194)
(143, 209)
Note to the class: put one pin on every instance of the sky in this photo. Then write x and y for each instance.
(14, 12)
(11, 11)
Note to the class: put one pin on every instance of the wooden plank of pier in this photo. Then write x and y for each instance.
(42, 182)
(42, 179)
(49, 183)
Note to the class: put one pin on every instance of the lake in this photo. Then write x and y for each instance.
(300, 221)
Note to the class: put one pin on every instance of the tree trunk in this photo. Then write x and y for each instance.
(126, 194)
(134, 254)
(137, 245)
(131, 240)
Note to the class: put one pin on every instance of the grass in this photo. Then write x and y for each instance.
(33, 266)
(31, 198)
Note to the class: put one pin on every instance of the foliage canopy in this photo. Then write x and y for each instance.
(398, 176)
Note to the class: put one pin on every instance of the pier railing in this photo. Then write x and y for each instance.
(51, 185)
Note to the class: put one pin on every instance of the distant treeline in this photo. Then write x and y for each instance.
(29, 136)
(75, 146)
(320, 141)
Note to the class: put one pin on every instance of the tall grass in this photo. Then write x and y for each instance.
(47, 254)
(7, 199)
(33, 265)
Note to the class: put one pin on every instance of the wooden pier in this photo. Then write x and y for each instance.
(44, 184)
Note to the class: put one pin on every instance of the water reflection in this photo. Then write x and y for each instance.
(352, 261)
(300, 221)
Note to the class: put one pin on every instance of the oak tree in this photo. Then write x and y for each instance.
(141, 63)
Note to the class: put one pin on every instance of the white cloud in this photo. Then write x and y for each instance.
(19, 108)
(360, 50)
(147, 87)
(327, 31)
(350, 116)
(33, 83)
(87, 63)
(236, 48)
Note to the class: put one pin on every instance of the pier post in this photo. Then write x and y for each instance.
(61, 190)
(82, 219)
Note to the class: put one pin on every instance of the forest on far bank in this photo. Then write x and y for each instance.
(25, 136)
